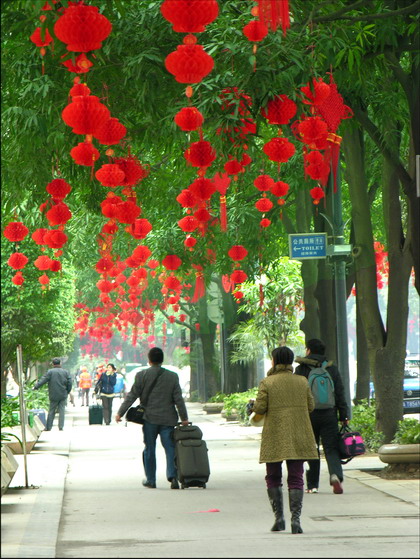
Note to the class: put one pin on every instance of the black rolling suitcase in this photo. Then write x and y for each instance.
(96, 415)
(191, 457)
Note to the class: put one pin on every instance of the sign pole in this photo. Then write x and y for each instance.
(22, 409)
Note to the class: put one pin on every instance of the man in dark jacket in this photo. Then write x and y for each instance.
(324, 421)
(160, 416)
(59, 387)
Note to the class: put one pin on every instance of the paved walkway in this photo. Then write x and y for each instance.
(85, 499)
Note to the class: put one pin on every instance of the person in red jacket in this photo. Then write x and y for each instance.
(85, 384)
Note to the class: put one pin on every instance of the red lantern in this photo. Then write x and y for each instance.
(188, 224)
(202, 188)
(38, 41)
(153, 264)
(237, 252)
(189, 63)
(44, 280)
(79, 89)
(81, 65)
(58, 214)
(190, 242)
(202, 215)
(279, 110)
(189, 16)
(279, 149)
(58, 189)
(140, 228)
(233, 167)
(82, 28)
(171, 262)
(279, 188)
(172, 282)
(264, 205)
(200, 154)
(43, 262)
(54, 238)
(17, 260)
(255, 31)
(15, 232)
(238, 276)
(127, 212)
(109, 228)
(110, 175)
(85, 153)
(133, 170)
(263, 182)
(104, 265)
(85, 114)
(105, 286)
(109, 206)
(312, 129)
(18, 278)
(317, 194)
(316, 94)
(110, 132)
(189, 118)
(39, 236)
(317, 167)
(141, 253)
(55, 266)
(265, 222)
(187, 199)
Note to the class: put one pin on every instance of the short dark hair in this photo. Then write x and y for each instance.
(282, 356)
(316, 346)
(155, 355)
(56, 361)
(112, 365)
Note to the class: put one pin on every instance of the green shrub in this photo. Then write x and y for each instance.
(236, 404)
(217, 398)
(363, 420)
(408, 432)
(8, 406)
(36, 399)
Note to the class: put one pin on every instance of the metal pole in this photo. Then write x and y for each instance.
(22, 409)
(340, 288)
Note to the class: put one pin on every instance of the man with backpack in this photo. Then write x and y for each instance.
(328, 391)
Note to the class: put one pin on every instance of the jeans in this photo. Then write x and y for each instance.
(150, 433)
(294, 474)
(54, 404)
(107, 409)
(325, 427)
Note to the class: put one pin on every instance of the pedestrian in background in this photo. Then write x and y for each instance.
(324, 421)
(107, 382)
(85, 384)
(286, 401)
(59, 387)
(164, 404)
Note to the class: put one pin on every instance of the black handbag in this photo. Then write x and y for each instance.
(136, 413)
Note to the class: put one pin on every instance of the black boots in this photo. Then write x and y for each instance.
(275, 496)
(295, 503)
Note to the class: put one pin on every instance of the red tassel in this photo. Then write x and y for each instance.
(261, 295)
(223, 213)
(200, 287)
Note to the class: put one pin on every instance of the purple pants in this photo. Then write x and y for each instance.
(294, 474)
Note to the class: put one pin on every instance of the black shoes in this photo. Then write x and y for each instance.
(174, 483)
(149, 484)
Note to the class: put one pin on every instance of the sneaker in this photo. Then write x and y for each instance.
(149, 484)
(174, 483)
(336, 484)
(313, 490)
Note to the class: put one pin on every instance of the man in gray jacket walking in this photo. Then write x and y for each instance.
(59, 387)
(160, 416)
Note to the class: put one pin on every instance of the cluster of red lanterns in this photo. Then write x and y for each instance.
(237, 277)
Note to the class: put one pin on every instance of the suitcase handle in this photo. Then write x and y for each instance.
(180, 423)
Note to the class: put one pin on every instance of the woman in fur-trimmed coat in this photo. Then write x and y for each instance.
(286, 401)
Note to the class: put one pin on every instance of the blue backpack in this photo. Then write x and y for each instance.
(322, 387)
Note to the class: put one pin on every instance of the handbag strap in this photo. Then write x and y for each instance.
(144, 400)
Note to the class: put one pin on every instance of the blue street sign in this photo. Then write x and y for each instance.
(305, 246)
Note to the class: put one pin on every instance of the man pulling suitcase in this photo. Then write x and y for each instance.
(165, 406)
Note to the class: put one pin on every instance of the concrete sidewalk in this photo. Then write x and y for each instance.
(85, 499)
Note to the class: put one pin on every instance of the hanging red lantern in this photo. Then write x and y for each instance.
(110, 228)
(255, 31)
(237, 252)
(316, 167)
(39, 236)
(55, 266)
(81, 64)
(15, 231)
(43, 262)
(190, 242)
(54, 238)
(44, 280)
(104, 265)
(316, 94)
(141, 253)
(189, 118)
(202, 215)
(85, 114)
(18, 278)
(171, 262)
(172, 282)
(58, 214)
(127, 212)
(110, 175)
(110, 132)
(153, 264)
(17, 260)
(189, 16)
(317, 194)
(279, 188)
(263, 182)
(202, 188)
(109, 206)
(58, 189)
(79, 89)
(265, 222)
(188, 224)
(187, 199)
(105, 286)
(82, 28)
(279, 110)
(279, 149)
(264, 205)
(238, 296)
(233, 167)
(238, 276)
(189, 63)
(313, 129)
(37, 39)
(85, 153)
(133, 170)
(200, 154)
(140, 228)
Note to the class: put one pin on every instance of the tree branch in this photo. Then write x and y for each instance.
(339, 14)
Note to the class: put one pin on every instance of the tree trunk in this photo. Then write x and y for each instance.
(363, 369)
(207, 334)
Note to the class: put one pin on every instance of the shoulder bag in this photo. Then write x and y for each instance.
(350, 444)
(136, 413)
